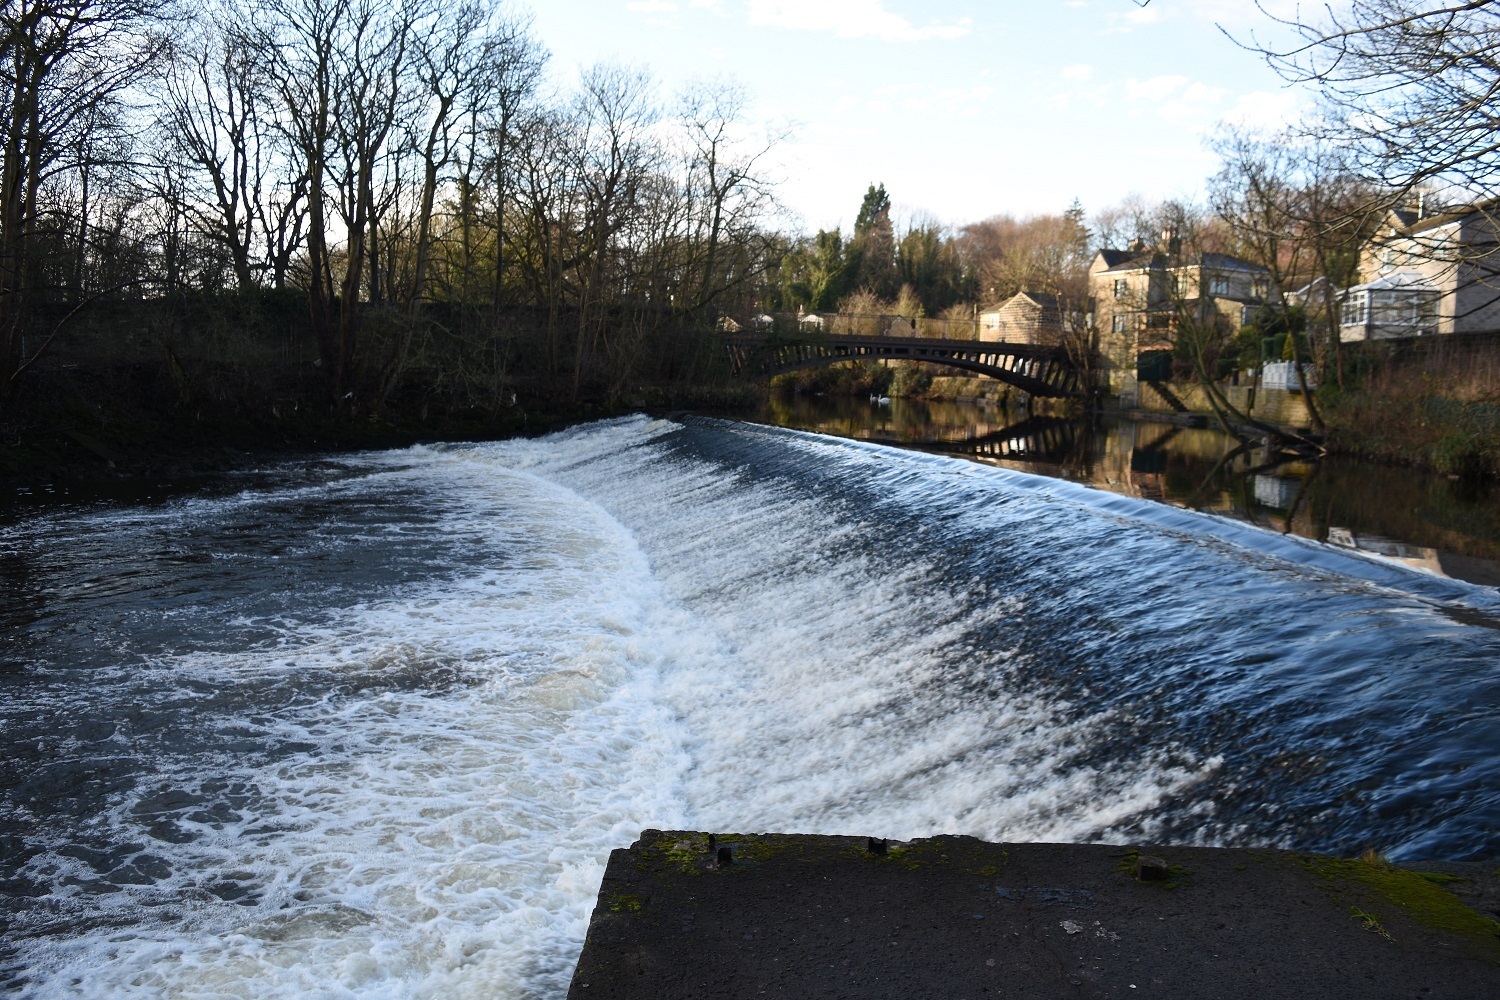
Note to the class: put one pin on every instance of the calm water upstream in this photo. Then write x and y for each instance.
(1417, 519)
(368, 727)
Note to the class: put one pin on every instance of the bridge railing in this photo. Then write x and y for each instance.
(851, 325)
(791, 324)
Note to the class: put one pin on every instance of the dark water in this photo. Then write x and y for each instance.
(370, 727)
(1430, 522)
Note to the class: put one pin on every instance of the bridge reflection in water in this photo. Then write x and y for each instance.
(1424, 521)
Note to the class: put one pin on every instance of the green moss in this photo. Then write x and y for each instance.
(1438, 878)
(756, 850)
(1177, 876)
(687, 856)
(625, 902)
(1418, 895)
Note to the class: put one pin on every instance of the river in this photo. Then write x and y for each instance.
(369, 725)
(1434, 523)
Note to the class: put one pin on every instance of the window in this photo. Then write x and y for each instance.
(1260, 288)
(1218, 285)
(1352, 312)
(1121, 323)
(1122, 288)
(1179, 286)
(1406, 309)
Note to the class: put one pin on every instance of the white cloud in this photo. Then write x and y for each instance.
(1265, 109)
(652, 7)
(1156, 89)
(1174, 98)
(1192, 104)
(1244, 14)
(1079, 73)
(850, 19)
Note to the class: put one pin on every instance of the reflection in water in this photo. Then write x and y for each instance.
(1418, 519)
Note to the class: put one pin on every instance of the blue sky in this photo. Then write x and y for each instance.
(963, 109)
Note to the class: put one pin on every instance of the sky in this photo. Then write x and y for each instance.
(963, 109)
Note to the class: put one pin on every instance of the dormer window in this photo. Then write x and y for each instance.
(1218, 285)
(1260, 288)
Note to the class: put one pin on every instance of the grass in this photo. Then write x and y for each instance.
(1419, 896)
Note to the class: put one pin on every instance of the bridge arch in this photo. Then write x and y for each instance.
(1034, 369)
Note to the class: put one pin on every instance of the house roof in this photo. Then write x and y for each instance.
(1116, 257)
(1411, 223)
(1044, 299)
(1411, 281)
(1224, 262)
(1216, 261)
(1405, 217)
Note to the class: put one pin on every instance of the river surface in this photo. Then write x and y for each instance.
(1419, 519)
(369, 726)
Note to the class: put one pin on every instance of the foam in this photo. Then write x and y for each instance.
(443, 844)
(629, 635)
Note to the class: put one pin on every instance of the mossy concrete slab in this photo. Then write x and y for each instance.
(696, 915)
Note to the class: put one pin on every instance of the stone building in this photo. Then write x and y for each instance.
(1141, 296)
(1425, 275)
(1024, 318)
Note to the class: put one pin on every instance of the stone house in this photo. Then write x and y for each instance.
(1425, 275)
(1141, 296)
(1024, 318)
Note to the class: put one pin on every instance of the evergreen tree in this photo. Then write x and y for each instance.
(876, 204)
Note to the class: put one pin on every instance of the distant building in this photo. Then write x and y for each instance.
(1141, 297)
(1425, 275)
(1398, 304)
(1024, 318)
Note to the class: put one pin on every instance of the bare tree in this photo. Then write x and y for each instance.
(725, 185)
(615, 115)
(1409, 87)
(64, 68)
(218, 116)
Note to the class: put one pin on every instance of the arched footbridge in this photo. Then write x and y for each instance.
(1033, 368)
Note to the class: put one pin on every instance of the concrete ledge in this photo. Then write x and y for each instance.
(695, 915)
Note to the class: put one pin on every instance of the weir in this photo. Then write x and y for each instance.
(694, 915)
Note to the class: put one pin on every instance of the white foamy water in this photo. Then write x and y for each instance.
(665, 643)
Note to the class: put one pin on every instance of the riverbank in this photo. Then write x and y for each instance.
(695, 915)
(193, 383)
(76, 431)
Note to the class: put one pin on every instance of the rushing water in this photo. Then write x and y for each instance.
(1430, 522)
(370, 727)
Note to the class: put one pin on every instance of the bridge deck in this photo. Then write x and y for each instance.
(1036, 369)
